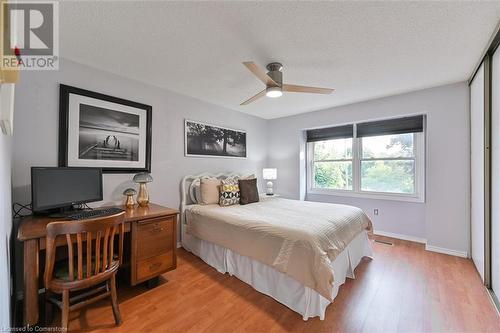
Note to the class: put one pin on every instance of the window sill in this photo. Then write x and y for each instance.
(368, 195)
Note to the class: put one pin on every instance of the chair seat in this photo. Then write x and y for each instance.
(61, 268)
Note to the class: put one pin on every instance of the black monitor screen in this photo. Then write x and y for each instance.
(61, 187)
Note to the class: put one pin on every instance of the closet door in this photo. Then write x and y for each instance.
(495, 173)
(477, 169)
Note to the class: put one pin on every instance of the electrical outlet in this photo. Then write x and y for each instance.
(375, 212)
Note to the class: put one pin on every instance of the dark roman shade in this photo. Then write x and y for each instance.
(413, 124)
(330, 133)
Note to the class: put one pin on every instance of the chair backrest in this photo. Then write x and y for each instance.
(95, 239)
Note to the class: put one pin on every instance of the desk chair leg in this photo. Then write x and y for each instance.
(31, 268)
(65, 311)
(114, 300)
(48, 308)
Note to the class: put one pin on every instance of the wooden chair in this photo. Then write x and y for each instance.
(97, 264)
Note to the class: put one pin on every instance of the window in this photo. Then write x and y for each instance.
(382, 159)
(332, 164)
(388, 163)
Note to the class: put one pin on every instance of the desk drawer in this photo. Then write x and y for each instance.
(155, 237)
(154, 266)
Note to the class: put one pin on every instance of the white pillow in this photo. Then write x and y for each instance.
(194, 191)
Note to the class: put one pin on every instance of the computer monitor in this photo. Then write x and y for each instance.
(61, 188)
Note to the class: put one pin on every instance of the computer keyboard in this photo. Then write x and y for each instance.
(95, 213)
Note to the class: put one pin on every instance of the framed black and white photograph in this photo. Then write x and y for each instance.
(214, 141)
(102, 131)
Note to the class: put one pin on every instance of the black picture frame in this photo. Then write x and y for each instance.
(64, 127)
(197, 133)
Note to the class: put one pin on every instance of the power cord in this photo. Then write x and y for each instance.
(17, 209)
(88, 207)
(83, 206)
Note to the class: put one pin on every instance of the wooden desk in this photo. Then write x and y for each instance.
(153, 249)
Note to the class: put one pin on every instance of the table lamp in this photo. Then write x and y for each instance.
(269, 174)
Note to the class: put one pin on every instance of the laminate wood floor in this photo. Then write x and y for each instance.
(403, 289)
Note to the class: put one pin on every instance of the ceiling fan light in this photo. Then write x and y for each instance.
(273, 92)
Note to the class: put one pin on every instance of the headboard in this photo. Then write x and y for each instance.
(186, 184)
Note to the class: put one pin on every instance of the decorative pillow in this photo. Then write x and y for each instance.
(194, 191)
(248, 191)
(229, 193)
(230, 181)
(209, 189)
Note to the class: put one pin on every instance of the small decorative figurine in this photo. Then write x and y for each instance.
(143, 197)
(130, 192)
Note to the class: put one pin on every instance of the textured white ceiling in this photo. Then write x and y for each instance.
(362, 49)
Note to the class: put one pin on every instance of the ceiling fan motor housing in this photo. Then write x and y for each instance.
(275, 72)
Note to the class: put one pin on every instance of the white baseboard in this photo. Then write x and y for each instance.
(431, 248)
(179, 244)
(462, 254)
(494, 299)
(399, 236)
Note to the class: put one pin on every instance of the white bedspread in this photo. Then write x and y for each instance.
(299, 238)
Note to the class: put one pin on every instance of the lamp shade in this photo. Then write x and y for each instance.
(143, 177)
(130, 191)
(270, 173)
(273, 92)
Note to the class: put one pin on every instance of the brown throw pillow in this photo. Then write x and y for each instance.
(248, 191)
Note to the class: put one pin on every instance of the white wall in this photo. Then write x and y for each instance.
(36, 130)
(5, 228)
(443, 220)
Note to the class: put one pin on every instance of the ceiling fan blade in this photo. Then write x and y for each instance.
(266, 79)
(306, 89)
(255, 97)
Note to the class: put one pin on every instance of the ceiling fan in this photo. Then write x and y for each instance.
(274, 82)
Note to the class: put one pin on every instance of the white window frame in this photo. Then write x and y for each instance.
(419, 157)
(311, 167)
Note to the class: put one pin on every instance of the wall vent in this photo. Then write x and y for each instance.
(383, 242)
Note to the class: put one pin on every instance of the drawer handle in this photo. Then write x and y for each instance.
(154, 266)
(157, 229)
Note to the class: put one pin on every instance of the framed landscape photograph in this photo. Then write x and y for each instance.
(214, 141)
(102, 131)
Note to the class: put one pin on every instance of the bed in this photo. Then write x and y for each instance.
(297, 252)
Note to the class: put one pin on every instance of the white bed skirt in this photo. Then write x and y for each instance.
(280, 286)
